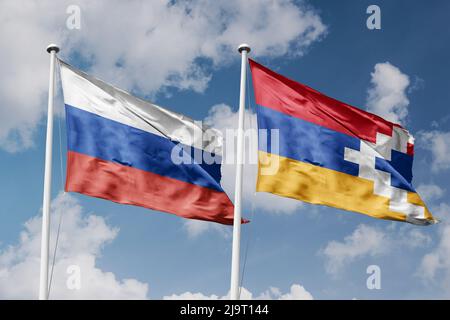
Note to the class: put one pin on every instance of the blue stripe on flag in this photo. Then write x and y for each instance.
(308, 142)
(109, 140)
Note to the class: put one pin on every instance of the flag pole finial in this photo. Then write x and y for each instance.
(244, 47)
(52, 47)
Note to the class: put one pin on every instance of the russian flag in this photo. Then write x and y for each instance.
(130, 151)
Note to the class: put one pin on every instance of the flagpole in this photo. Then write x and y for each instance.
(244, 49)
(45, 238)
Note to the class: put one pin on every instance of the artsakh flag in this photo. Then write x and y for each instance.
(323, 151)
(130, 151)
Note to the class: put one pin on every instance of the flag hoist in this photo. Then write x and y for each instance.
(244, 49)
(45, 238)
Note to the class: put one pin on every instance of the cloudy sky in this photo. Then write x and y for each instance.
(182, 55)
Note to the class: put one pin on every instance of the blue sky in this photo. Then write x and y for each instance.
(189, 74)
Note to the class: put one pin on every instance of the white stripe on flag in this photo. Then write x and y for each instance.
(93, 95)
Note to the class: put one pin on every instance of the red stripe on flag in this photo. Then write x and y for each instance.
(107, 180)
(277, 92)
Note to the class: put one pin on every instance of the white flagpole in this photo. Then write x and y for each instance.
(43, 279)
(244, 49)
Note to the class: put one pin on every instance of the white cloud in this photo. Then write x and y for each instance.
(387, 95)
(412, 239)
(430, 191)
(438, 143)
(367, 241)
(191, 296)
(364, 241)
(25, 31)
(194, 228)
(435, 265)
(143, 46)
(296, 292)
(81, 241)
(441, 211)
